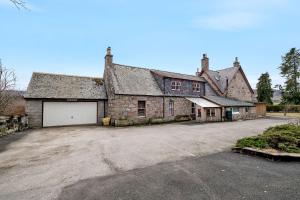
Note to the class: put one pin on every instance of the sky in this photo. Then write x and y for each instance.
(71, 36)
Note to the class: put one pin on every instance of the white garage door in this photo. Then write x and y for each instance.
(69, 113)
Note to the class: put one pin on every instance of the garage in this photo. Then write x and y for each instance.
(65, 100)
(69, 113)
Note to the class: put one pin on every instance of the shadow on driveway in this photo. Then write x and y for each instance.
(8, 139)
(219, 176)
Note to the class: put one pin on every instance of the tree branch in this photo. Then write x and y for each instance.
(19, 4)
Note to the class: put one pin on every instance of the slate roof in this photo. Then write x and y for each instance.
(133, 81)
(178, 75)
(45, 85)
(227, 102)
(220, 76)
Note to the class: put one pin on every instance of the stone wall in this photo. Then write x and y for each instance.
(9, 125)
(126, 107)
(239, 89)
(243, 115)
(34, 110)
(182, 106)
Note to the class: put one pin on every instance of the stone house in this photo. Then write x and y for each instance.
(139, 95)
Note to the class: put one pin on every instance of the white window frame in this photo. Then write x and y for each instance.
(234, 111)
(196, 87)
(175, 85)
(209, 112)
(171, 108)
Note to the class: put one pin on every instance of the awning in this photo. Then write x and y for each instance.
(203, 102)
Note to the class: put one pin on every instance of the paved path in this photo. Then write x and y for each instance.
(38, 164)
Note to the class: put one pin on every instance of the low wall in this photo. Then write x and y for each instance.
(9, 125)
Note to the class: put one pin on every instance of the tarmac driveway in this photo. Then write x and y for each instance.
(42, 162)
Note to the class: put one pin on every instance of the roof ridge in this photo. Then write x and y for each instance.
(226, 68)
(131, 66)
(57, 74)
(151, 69)
(174, 72)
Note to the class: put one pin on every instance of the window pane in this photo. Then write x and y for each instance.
(171, 108)
(213, 112)
(141, 108)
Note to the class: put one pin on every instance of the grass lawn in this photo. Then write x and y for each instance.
(284, 138)
(280, 114)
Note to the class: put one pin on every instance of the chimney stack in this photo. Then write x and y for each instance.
(205, 63)
(108, 57)
(236, 62)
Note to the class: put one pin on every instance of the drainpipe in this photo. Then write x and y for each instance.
(164, 97)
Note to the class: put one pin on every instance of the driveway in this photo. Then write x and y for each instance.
(220, 176)
(42, 162)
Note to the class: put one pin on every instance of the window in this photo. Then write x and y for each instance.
(199, 112)
(175, 85)
(235, 110)
(196, 87)
(211, 112)
(246, 109)
(193, 108)
(142, 108)
(171, 108)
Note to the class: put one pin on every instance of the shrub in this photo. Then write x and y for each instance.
(257, 142)
(280, 108)
(284, 138)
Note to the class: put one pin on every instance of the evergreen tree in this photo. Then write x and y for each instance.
(264, 89)
(290, 69)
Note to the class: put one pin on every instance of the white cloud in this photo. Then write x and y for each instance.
(235, 15)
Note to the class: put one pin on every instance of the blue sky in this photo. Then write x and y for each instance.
(70, 37)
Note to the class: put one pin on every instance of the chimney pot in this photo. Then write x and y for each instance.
(108, 57)
(205, 63)
(236, 62)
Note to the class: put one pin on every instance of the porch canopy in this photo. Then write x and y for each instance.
(203, 102)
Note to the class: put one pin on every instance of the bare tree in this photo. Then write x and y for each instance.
(19, 3)
(7, 83)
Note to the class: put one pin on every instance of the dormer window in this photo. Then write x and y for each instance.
(196, 87)
(176, 85)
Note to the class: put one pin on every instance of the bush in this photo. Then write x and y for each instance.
(284, 138)
(280, 108)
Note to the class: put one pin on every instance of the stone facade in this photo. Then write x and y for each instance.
(126, 107)
(243, 114)
(182, 107)
(239, 89)
(34, 110)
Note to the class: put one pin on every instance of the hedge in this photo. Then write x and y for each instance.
(285, 138)
(280, 108)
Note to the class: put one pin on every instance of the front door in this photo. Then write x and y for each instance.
(193, 113)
